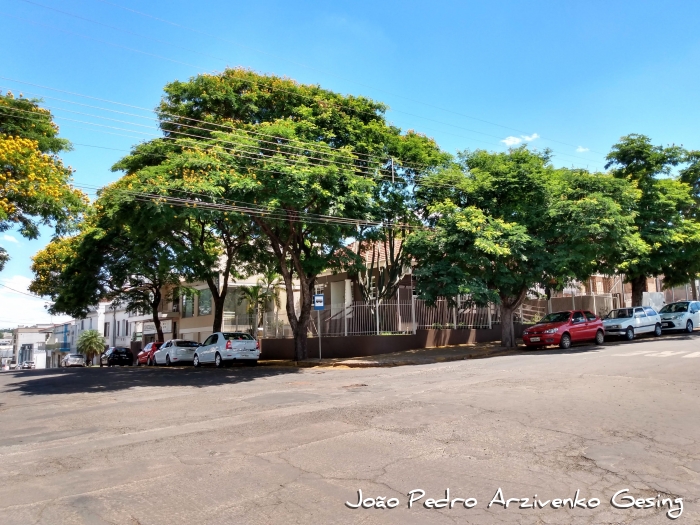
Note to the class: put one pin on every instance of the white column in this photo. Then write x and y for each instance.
(413, 311)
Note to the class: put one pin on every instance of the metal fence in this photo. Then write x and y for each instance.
(385, 317)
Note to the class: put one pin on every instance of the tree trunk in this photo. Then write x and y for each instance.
(300, 328)
(508, 306)
(639, 286)
(218, 304)
(694, 288)
(507, 328)
(156, 318)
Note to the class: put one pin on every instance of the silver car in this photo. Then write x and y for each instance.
(224, 348)
(628, 322)
(73, 360)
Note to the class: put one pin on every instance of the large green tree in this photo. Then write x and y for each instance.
(35, 186)
(502, 223)
(664, 213)
(119, 255)
(302, 160)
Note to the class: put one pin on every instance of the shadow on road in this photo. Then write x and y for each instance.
(77, 380)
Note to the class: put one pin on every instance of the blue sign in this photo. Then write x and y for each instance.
(318, 301)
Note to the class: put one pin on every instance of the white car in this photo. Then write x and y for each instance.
(73, 360)
(175, 351)
(627, 322)
(224, 348)
(683, 315)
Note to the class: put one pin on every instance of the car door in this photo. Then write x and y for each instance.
(641, 322)
(578, 327)
(592, 324)
(652, 316)
(695, 308)
(208, 350)
(159, 355)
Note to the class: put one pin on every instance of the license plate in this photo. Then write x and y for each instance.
(534, 339)
(667, 324)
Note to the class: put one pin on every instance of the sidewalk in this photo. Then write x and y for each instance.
(420, 356)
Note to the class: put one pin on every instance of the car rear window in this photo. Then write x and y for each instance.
(186, 344)
(238, 336)
(76, 356)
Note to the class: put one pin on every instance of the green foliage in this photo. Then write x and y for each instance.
(665, 210)
(298, 151)
(35, 186)
(90, 343)
(505, 222)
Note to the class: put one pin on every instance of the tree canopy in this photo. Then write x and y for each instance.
(35, 186)
(502, 223)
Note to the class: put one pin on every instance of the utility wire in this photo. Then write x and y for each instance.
(249, 80)
(165, 21)
(23, 293)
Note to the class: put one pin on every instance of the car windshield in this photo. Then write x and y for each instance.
(674, 307)
(238, 336)
(186, 344)
(622, 313)
(76, 356)
(556, 317)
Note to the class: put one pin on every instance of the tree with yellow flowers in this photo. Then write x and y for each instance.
(35, 186)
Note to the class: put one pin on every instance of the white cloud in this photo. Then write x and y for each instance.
(514, 141)
(511, 141)
(581, 149)
(17, 309)
(9, 238)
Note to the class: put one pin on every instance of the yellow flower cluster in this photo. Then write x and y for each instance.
(30, 177)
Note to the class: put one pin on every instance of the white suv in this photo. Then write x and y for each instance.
(224, 348)
(683, 315)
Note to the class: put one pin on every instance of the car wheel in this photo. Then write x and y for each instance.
(565, 341)
(218, 362)
(195, 361)
(657, 330)
(599, 337)
(167, 360)
(629, 333)
(689, 326)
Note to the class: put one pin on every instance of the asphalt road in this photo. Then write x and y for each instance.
(284, 445)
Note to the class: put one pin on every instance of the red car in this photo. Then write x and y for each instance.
(564, 328)
(145, 356)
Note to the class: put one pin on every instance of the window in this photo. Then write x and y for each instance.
(176, 301)
(211, 340)
(650, 311)
(106, 332)
(204, 307)
(639, 313)
(91, 323)
(82, 324)
(238, 336)
(577, 317)
(187, 306)
(117, 328)
(590, 316)
(126, 327)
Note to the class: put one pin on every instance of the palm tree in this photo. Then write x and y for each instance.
(260, 295)
(90, 342)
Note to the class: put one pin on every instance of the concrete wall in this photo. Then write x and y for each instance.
(369, 345)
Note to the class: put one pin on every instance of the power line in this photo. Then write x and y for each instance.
(165, 21)
(249, 80)
(23, 293)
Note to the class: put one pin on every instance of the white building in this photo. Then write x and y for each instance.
(28, 343)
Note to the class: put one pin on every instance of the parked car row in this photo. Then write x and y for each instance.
(573, 326)
(220, 349)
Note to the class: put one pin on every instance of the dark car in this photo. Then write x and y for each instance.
(117, 355)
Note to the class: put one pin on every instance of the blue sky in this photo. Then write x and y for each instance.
(577, 74)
